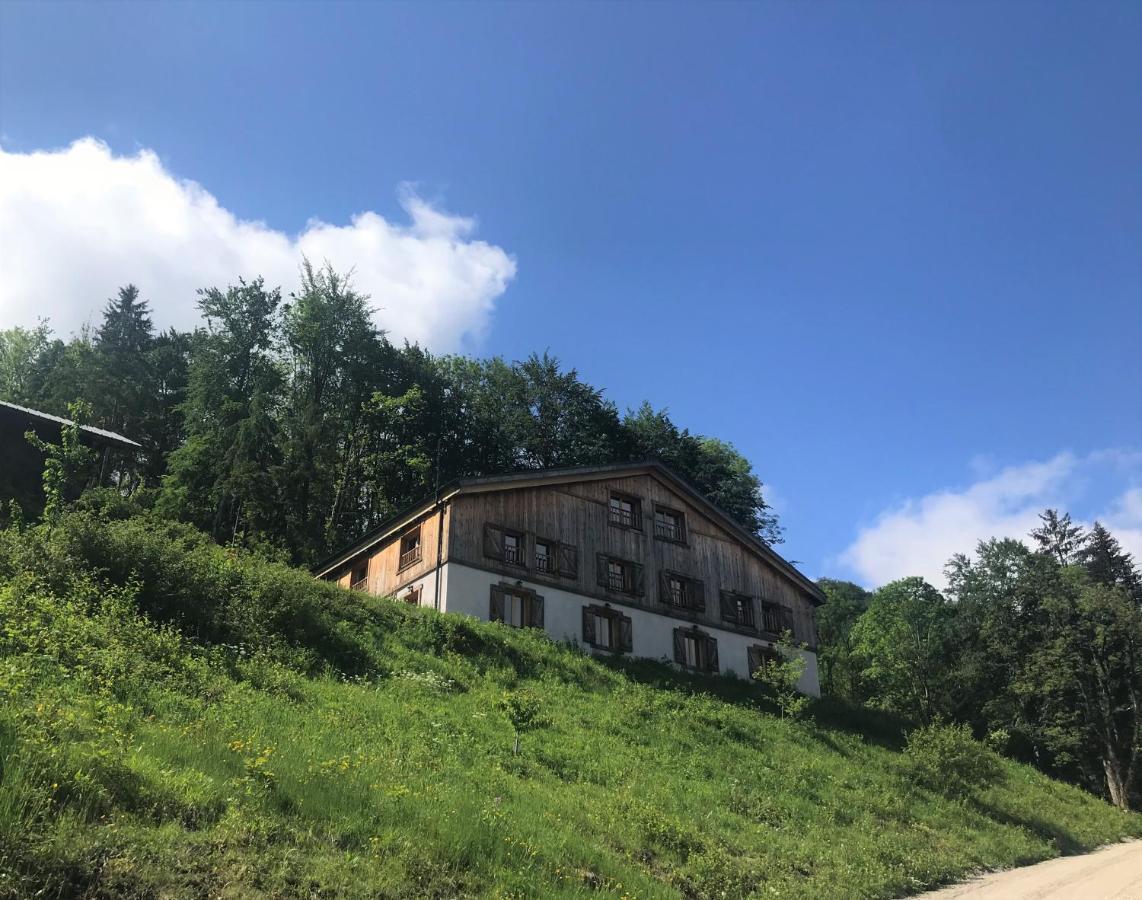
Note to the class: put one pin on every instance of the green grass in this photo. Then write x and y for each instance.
(179, 720)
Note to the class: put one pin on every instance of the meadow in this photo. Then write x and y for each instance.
(181, 719)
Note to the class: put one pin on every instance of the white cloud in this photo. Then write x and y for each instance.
(77, 223)
(918, 536)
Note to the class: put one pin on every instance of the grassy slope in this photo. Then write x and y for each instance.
(359, 751)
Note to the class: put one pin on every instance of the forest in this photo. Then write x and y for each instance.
(294, 424)
(291, 425)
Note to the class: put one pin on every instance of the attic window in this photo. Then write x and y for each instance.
(625, 511)
(669, 525)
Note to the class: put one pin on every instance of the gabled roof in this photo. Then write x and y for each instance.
(95, 435)
(543, 477)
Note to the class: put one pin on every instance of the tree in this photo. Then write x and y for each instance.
(905, 639)
(20, 351)
(224, 476)
(781, 672)
(66, 464)
(1107, 563)
(1058, 536)
(840, 666)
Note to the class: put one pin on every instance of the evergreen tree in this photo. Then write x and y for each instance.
(1059, 537)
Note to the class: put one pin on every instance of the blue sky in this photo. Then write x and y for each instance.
(892, 251)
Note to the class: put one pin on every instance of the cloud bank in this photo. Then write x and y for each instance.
(918, 536)
(77, 223)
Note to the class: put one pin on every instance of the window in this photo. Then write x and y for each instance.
(513, 548)
(669, 525)
(545, 562)
(409, 549)
(681, 592)
(516, 606)
(625, 511)
(412, 596)
(737, 609)
(607, 629)
(619, 575)
(776, 619)
(695, 649)
(359, 580)
(759, 653)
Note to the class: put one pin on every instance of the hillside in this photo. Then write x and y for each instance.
(181, 720)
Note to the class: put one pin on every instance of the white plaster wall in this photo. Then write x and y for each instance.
(467, 591)
(427, 585)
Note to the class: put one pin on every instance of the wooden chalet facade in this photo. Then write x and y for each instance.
(621, 558)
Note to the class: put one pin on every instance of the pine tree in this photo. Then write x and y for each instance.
(1108, 564)
(1059, 537)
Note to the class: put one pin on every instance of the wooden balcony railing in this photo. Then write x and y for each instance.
(617, 581)
(513, 556)
(410, 556)
(627, 518)
(671, 531)
(776, 619)
(543, 564)
(361, 584)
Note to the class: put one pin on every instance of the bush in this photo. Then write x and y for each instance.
(946, 758)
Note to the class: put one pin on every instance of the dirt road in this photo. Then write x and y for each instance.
(1112, 873)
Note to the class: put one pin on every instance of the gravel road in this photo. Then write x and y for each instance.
(1112, 873)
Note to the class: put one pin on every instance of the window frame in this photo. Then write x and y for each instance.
(622, 639)
(635, 523)
(360, 583)
(552, 557)
(632, 584)
(784, 618)
(728, 597)
(709, 649)
(531, 606)
(682, 531)
(418, 549)
(693, 592)
(521, 545)
(413, 594)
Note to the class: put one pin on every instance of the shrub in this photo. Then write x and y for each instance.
(946, 758)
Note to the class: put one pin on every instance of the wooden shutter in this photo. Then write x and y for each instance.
(535, 617)
(753, 655)
(663, 586)
(712, 654)
(626, 637)
(496, 613)
(493, 542)
(588, 625)
(679, 647)
(698, 588)
(568, 561)
(601, 568)
(638, 581)
(729, 607)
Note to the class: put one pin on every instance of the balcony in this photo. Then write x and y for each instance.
(410, 556)
(543, 564)
(513, 555)
(361, 584)
(668, 530)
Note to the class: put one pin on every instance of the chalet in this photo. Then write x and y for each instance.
(22, 465)
(621, 558)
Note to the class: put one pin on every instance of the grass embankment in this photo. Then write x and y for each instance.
(182, 721)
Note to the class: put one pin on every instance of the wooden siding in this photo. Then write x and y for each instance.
(577, 514)
(384, 572)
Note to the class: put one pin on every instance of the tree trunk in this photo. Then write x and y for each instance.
(1116, 783)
